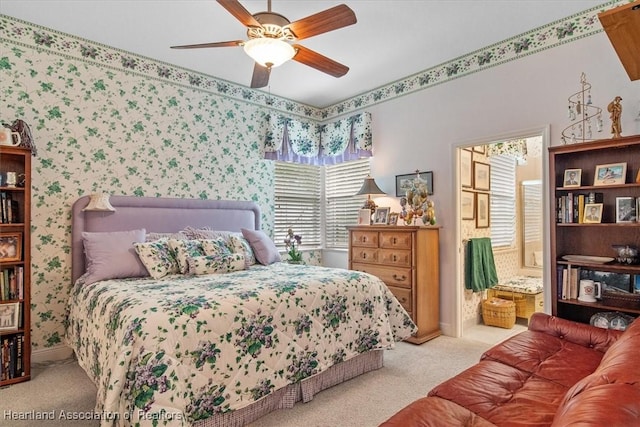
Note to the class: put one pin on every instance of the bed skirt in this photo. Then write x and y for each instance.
(303, 391)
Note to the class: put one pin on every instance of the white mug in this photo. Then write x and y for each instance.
(6, 137)
(589, 290)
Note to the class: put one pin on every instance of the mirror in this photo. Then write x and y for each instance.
(531, 213)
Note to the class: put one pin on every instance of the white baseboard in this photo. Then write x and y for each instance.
(51, 354)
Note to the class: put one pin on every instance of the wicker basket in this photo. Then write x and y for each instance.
(499, 312)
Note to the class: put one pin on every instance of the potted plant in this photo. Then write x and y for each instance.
(292, 242)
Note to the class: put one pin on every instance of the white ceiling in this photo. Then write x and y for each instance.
(391, 40)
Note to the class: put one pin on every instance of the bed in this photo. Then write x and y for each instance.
(217, 349)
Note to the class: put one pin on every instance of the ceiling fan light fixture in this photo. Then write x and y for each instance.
(269, 52)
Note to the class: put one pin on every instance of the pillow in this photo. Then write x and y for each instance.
(263, 247)
(216, 247)
(111, 255)
(183, 249)
(235, 240)
(157, 257)
(152, 237)
(215, 264)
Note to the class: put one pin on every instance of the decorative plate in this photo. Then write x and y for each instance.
(588, 258)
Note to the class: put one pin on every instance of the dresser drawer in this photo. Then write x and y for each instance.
(403, 295)
(364, 254)
(401, 258)
(400, 277)
(368, 239)
(395, 239)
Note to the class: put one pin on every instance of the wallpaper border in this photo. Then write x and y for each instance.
(572, 28)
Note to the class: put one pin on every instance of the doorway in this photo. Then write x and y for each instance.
(515, 170)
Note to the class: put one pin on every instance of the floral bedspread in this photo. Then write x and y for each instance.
(182, 348)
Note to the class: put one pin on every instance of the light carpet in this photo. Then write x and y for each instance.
(62, 390)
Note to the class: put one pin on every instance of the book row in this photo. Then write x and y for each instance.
(12, 357)
(12, 283)
(8, 208)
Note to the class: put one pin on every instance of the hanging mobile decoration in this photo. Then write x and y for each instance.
(581, 112)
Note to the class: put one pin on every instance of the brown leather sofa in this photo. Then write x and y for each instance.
(557, 373)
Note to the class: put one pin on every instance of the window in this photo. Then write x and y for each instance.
(297, 202)
(342, 182)
(503, 201)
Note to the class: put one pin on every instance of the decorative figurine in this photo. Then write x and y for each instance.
(615, 108)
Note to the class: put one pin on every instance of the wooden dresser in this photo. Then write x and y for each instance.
(407, 259)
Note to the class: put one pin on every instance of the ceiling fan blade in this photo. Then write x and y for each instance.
(241, 14)
(322, 22)
(260, 76)
(216, 44)
(319, 62)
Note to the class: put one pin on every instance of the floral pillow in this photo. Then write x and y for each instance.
(215, 264)
(185, 249)
(158, 258)
(217, 246)
(235, 241)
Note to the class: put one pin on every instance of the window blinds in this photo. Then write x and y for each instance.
(503, 201)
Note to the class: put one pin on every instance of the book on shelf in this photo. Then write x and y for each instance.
(12, 357)
(568, 278)
(8, 209)
(12, 283)
(570, 207)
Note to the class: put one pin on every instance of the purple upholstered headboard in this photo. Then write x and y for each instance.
(158, 215)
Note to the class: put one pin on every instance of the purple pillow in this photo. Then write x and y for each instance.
(263, 247)
(111, 255)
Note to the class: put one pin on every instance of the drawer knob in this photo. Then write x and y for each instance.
(364, 255)
(399, 278)
(395, 240)
(404, 299)
(395, 258)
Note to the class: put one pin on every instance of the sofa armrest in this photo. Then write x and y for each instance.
(577, 333)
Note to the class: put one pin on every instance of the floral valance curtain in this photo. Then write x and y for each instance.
(292, 140)
(516, 148)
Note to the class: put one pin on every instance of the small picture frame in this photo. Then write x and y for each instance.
(404, 182)
(610, 174)
(636, 284)
(9, 316)
(481, 176)
(626, 209)
(466, 176)
(10, 247)
(381, 216)
(467, 204)
(592, 213)
(572, 178)
(393, 218)
(482, 210)
(364, 217)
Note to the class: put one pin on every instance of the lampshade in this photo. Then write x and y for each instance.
(99, 202)
(269, 52)
(369, 187)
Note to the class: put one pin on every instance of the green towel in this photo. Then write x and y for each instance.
(480, 269)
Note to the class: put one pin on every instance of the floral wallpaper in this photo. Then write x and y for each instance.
(98, 128)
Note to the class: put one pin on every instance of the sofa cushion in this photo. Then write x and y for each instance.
(435, 412)
(613, 388)
(551, 357)
(503, 394)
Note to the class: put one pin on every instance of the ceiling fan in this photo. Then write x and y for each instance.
(272, 37)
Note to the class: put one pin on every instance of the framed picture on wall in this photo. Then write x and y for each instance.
(404, 182)
(481, 176)
(482, 210)
(467, 204)
(465, 168)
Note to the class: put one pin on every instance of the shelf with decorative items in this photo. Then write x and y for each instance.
(596, 211)
(15, 263)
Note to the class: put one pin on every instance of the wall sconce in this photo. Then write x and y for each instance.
(99, 202)
(369, 187)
